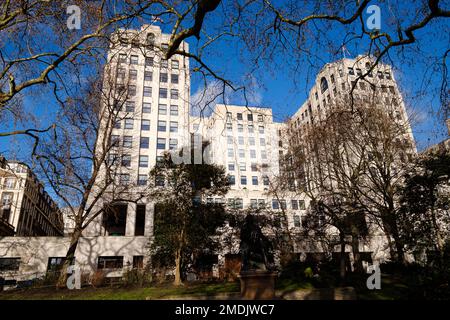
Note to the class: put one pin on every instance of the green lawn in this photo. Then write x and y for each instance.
(108, 293)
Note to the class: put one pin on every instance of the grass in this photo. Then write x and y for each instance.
(129, 293)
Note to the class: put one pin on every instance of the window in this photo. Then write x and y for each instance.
(144, 142)
(121, 73)
(174, 94)
(122, 58)
(159, 181)
(115, 140)
(239, 116)
(341, 73)
(241, 153)
(241, 140)
(162, 126)
(131, 90)
(117, 124)
(242, 166)
(162, 109)
(142, 180)
(251, 141)
(253, 154)
(129, 106)
(229, 140)
(126, 160)
(250, 117)
(231, 180)
(230, 153)
(161, 144)
(173, 110)
(243, 180)
(254, 203)
(323, 85)
(149, 62)
(250, 128)
(124, 178)
(263, 154)
(358, 72)
(255, 180)
(127, 141)
(173, 144)
(294, 204)
(147, 91)
(9, 264)
(163, 77)
(164, 63)
(238, 203)
(260, 118)
(391, 89)
(254, 167)
(229, 116)
(129, 123)
(112, 158)
(145, 125)
(380, 75)
(297, 223)
(266, 180)
(138, 261)
(332, 78)
(231, 166)
(262, 141)
(146, 107)
(173, 126)
(351, 71)
(134, 59)
(175, 64)
(143, 161)
(261, 129)
(283, 204)
(163, 93)
(301, 204)
(261, 203)
(275, 204)
(148, 76)
(110, 262)
(174, 78)
(240, 127)
(387, 75)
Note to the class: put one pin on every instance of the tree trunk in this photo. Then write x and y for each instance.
(357, 263)
(70, 256)
(342, 258)
(177, 281)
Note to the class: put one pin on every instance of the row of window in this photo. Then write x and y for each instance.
(241, 153)
(163, 92)
(127, 142)
(147, 108)
(240, 128)
(148, 76)
(237, 203)
(145, 125)
(251, 140)
(239, 116)
(243, 167)
(148, 62)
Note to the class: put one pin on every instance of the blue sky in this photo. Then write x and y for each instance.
(284, 83)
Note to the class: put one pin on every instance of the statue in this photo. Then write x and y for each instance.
(255, 248)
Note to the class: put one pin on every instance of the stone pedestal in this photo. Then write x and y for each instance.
(257, 285)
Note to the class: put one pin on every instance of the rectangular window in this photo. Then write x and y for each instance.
(260, 118)
(283, 204)
(238, 203)
(121, 73)
(174, 78)
(134, 59)
(174, 94)
(244, 180)
(161, 144)
(351, 71)
(122, 58)
(131, 90)
(173, 126)
(117, 124)
(126, 160)
(387, 75)
(250, 117)
(255, 180)
(254, 167)
(241, 153)
(253, 154)
(145, 125)
(173, 144)
(230, 140)
(115, 140)
(275, 204)
(240, 127)
(164, 63)
(254, 203)
(231, 180)
(261, 203)
(149, 61)
(266, 180)
(231, 166)
(162, 126)
(129, 123)
(358, 72)
(173, 110)
(251, 141)
(297, 223)
(148, 76)
(230, 153)
(229, 127)
(142, 180)
(143, 161)
(163, 77)
(139, 229)
(159, 181)
(262, 141)
(175, 64)
(144, 142)
(380, 75)
(242, 166)
(294, 204)
(129, 106)
(127, 141)
(9, 264)
(261, 129)
(133, 74)
(147, 91)
(241, 140)
(163, 93)
(250, 128)
(239, 116)
(124, 178)
(263, 154)
(110, 262)
(301, 204)
(162, 109)
(146, 107)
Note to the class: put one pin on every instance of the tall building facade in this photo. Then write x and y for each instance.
(25, 208)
